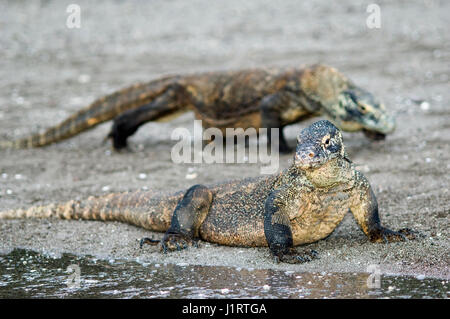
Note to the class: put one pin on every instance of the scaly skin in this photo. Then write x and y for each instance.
(300, 205)
(259, 98)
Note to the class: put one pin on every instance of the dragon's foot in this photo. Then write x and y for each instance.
(121, 129)
(118, 141)
(172, 242)
(294, 257)
(388, 236)
(148, 241)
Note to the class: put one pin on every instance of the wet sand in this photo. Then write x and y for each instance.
(48, 71)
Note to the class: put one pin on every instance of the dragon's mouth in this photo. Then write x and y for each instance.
(373, 135)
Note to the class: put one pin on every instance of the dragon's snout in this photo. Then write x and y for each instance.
(306, 157)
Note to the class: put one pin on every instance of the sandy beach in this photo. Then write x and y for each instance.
(49, 71)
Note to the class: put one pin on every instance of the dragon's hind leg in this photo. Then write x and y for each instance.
(187, 218)
(170, 102)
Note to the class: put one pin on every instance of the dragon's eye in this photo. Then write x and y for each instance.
(363, 108)
(326, 141)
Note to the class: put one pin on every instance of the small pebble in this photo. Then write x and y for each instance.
(225, 290)
(84, 78)
(142, 176)
(105, 188)
(420, 277)
(266, 287)
(425, 106)
(191, 176)
(20, 100)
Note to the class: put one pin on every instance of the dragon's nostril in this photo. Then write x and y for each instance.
(311, 154)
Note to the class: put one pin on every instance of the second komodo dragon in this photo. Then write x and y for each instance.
(299, 205)
(258, 98)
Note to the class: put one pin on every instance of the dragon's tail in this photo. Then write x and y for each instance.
(101, 110)
(147, 209)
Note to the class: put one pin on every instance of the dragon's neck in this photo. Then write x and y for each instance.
(336, 172)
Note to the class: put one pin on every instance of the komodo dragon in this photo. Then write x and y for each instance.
(299, 205)
(259, 98)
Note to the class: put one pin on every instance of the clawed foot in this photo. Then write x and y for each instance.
(388, 236)
(172, 242)
(119, 143)
(121, 129)
(148, 241)
(293, 257)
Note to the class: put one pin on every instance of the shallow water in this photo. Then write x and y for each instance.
(28, 274)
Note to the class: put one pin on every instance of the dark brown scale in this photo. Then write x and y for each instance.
(269, 98)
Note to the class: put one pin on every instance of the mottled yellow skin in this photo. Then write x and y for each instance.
(236, 215)
(300, 205)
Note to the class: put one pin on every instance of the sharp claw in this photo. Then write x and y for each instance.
(300, 258)
(149, 241)
(408, 232)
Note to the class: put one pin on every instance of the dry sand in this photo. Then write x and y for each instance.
(48, 71)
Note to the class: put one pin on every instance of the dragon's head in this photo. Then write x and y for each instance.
(360, 110)
(318, 144)
(348, 106)
(320, 154)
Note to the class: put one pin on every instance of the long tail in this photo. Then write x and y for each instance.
(147, 209)
(101, 110)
